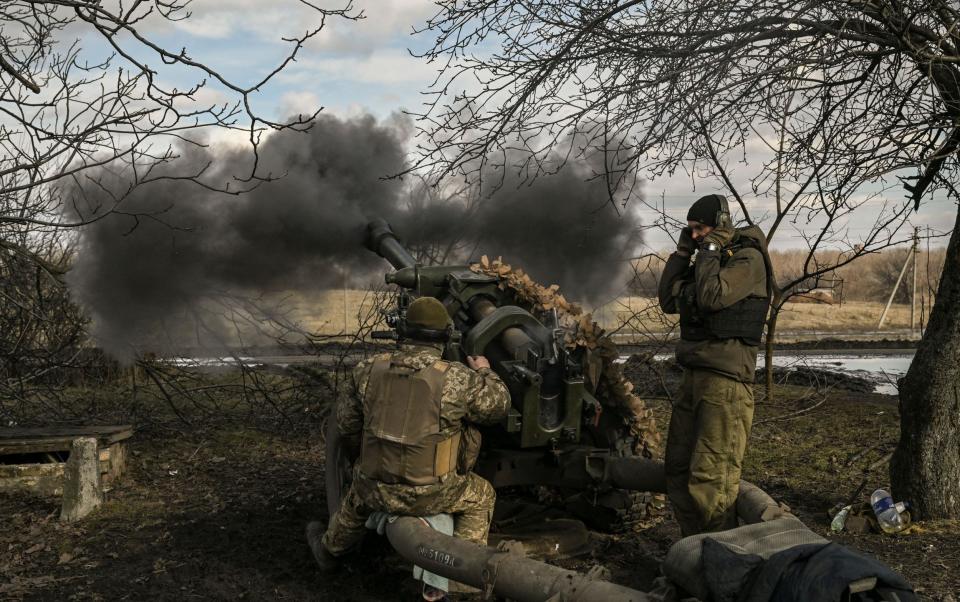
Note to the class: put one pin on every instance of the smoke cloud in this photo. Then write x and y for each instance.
(153, 270)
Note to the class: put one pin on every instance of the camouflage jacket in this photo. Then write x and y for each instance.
(472, 396)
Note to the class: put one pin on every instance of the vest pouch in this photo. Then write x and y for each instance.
(743, 320)
(402, 440)
(469, 449)
(692, 327)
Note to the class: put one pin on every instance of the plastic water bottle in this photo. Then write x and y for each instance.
(840, 520)
(887, 514)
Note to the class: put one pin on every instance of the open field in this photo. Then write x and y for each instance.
(859, 316)
(336, 312)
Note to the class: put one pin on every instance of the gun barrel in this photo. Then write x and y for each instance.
(382, 240)
(512, 339)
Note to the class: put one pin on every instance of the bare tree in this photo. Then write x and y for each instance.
(872, 90)
(85, 94)
(820, 202)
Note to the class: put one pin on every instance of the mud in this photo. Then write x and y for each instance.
(661, 378)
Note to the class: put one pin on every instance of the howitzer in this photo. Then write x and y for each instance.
(557, 432)
(545, 381)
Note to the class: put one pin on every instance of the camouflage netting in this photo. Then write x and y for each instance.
(604, 376)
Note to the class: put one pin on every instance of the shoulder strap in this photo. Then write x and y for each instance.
(750, 243)
(448, 450)
(435, 375)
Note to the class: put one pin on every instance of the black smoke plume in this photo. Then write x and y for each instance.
(149, 270)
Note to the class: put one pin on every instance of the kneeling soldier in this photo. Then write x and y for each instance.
(412, 413)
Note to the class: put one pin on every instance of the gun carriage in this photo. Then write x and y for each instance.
(559, 431)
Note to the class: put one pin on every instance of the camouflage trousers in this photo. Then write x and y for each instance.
(709, 428)
(469, 498)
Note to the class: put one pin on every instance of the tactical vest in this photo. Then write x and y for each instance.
(743, 320)
(402, 441)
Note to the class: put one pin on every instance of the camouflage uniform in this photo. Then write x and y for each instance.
(711, 419)
(468, 396)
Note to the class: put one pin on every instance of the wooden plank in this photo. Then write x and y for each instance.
(16, 471)
(22, 440)
(45, 479)
(49, 445)
(79, 430)
(118, 460)
(13, 471)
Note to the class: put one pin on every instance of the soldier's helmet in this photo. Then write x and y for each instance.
(426, 313)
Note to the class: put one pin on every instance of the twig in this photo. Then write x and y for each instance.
(195, 451)
(16, 75)
(150, 372)
(853, 458)
(883, 460)
(793, 414)
(866, 477)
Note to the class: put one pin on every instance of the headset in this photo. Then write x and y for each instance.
(723, 219)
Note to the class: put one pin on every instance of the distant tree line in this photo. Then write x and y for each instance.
(871, 278)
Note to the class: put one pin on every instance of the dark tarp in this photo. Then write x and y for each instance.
(803, 573)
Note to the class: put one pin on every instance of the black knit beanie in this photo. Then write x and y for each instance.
(705, 210)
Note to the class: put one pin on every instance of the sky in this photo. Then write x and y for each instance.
(366, 66)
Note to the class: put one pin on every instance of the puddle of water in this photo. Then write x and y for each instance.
(882, 370)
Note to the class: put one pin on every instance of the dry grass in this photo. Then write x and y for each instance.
(852, 315)
(331, 312)
(858, 316)
(336, 312)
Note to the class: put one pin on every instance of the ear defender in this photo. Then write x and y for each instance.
(723, 219)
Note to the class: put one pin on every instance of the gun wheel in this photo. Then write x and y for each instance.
(613, 511)
(338, 473)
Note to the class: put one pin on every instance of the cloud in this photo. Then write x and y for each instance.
(299, 103)
(385, 66)
(235, 19)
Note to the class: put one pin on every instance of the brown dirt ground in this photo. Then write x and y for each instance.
(217, 513)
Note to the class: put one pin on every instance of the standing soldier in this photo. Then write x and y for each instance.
(722, 299)
(411, 414)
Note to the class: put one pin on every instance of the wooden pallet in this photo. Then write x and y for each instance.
(45, 474)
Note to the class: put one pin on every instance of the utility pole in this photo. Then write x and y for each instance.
(928, 293)
(913, 294)
(903, 270)
(344, 302)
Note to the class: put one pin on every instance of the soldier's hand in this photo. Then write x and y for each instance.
(720, 236)
(685, 244)
(477, 361)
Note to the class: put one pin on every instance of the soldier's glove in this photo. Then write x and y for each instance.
(685, 244)
(718, 238)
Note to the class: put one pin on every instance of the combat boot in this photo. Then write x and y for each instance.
(325, 560)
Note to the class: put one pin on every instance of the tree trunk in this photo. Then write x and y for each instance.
(925, 469)
(775, 306)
